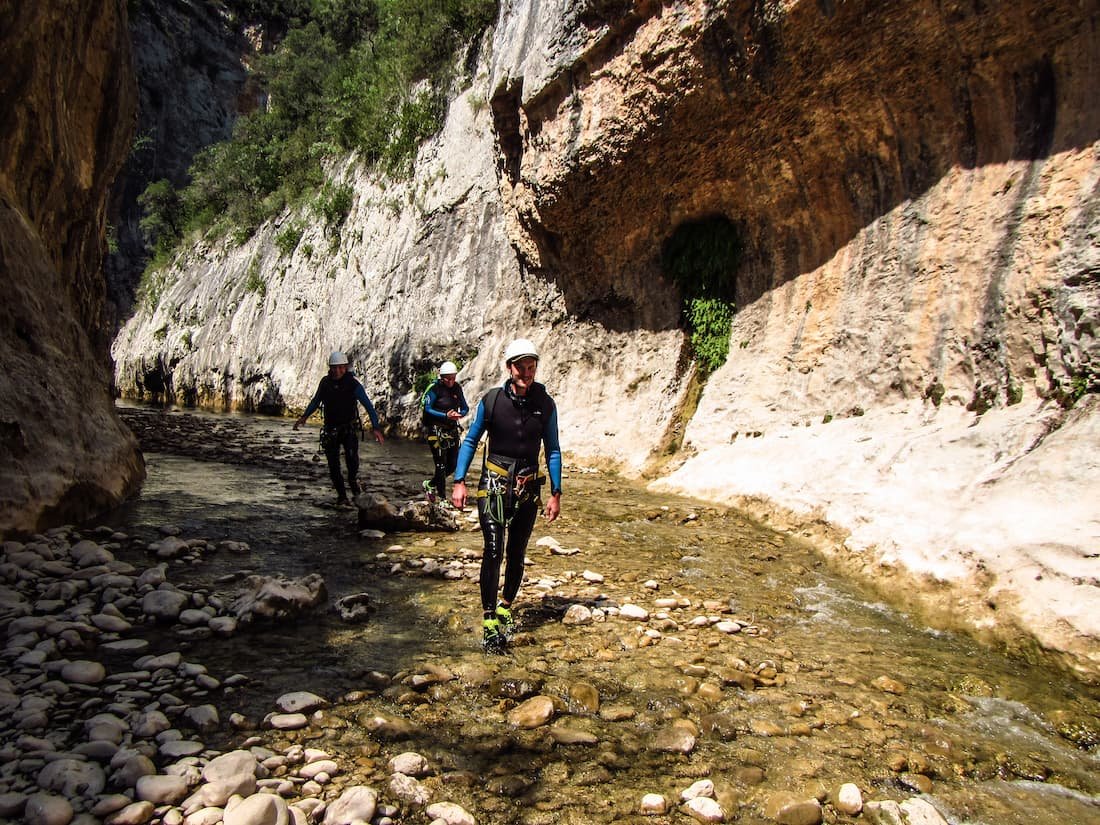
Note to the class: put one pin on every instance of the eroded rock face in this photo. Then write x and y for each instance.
(915, 188)
(68, 98)
(191, 62)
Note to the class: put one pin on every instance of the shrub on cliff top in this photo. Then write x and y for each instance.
(340, 81)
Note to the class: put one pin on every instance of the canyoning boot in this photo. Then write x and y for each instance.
(504, 616)
(493, 640)
(353, 485)
(429, 491)
(342, 501)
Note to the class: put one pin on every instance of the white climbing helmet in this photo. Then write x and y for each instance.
(448, 368)
(520, 348)
(337, 358)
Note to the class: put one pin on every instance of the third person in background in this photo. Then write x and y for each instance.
(520, 419)
(339, 395)
(444, 405)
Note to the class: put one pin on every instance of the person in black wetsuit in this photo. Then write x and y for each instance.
(444, 404)
(520, 418)
(339, 395)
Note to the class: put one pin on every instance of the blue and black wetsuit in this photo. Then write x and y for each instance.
(443, 432)
(508, 492)
(339, 399)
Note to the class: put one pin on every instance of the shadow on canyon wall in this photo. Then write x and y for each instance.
(801, 129)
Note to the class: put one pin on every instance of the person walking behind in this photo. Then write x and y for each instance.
(444, 404)
(520, 418)
(338, 395)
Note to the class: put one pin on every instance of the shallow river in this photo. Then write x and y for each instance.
(823, 685)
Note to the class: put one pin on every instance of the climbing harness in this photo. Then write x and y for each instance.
(332, 437)
(443, 438)
(506, 488)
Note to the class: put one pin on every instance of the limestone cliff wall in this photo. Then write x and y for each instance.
(68, 109)
(915, 184)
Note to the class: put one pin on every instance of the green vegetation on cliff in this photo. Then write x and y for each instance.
(701, 258)
(365, 76)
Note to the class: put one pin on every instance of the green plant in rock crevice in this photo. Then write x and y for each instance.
(701, 257)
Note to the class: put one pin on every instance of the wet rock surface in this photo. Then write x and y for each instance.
(720, 673)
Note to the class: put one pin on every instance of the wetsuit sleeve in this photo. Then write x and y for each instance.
(361, 394)
(553, 450)
(469, 443)
(463, 407)
(429, 405)
(314, 402)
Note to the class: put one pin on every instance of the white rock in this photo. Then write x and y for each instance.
(849, 800)
(288, 721)
(136, 813)
(634, 611)
(727, 627)
(355, 804)
(408, 790)
(653, 804)
(704, 809)
(228, 765)
(301, 701)
(205, 816)
(258, 809)
(161, 789)
(311, 770)
(704, 787)
(410, 763)
(591, 576)
(106, 805)
(577, 614)
(450, 813)
(920, 812)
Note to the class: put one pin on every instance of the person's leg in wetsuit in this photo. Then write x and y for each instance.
(508, 544)
(332, 456)
(350, 442)
(439, 458)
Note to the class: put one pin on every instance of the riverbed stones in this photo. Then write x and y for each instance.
(287, 721)
(534, 712)
(258, 809)
(704, 809)
(47, 809)
(300, 701)
(921, 812)
(849, 799)
(410, 763)
(577, 614)
(279, 597)
(449, 813)
(355, 804)
(889, 685)
(161, 789)
(653, 804)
